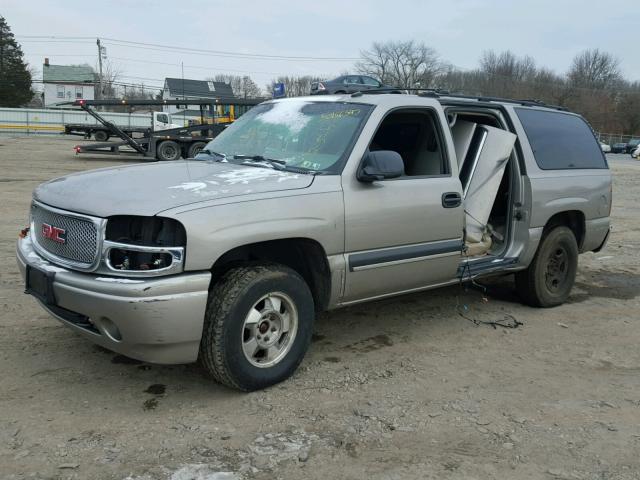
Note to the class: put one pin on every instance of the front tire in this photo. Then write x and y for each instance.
(101, 136)
(258, 326)
(549, 279)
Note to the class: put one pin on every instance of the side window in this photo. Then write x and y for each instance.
(352, 79)
(163, 118)
(372, 82)
(415, 136)
(560, 140)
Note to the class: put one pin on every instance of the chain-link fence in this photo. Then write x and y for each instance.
(613, 138)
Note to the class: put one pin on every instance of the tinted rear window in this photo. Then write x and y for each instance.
(561, 141)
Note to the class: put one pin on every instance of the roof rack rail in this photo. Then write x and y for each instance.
(396, 90)
(438, 92)
(546, 105)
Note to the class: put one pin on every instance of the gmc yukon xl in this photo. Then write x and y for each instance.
(310, 204)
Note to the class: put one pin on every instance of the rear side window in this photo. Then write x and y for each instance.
(561, 141)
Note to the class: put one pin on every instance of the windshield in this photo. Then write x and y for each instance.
(296, 134)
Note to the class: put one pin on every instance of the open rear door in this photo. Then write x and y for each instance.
(481, 174)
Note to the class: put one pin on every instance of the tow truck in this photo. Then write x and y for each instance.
(169, 144)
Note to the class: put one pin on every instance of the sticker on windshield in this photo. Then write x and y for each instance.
(310, 165)
(354, 112)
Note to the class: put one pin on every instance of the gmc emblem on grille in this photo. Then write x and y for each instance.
(56, 234)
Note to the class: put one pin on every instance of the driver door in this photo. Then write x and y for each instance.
(405, 234)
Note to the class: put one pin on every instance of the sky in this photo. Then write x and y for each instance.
(327, 34)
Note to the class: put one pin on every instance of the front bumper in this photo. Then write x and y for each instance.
(157, 320)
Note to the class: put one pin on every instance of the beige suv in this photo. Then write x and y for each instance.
(310, 204)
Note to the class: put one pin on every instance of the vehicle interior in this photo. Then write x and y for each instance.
(414, 136)
(469, 139)
(487, 179)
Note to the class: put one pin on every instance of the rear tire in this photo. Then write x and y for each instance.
(195, 148)
(257, 327)
(101, 136)
(549, 279)
(168, 150)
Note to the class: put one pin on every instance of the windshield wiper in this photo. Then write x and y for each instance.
(211, 153)
(277, 164)
(259, 158)
(274, 163)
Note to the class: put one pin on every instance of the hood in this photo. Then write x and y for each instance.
(147, 189)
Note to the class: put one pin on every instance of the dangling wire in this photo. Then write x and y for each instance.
(509, 321)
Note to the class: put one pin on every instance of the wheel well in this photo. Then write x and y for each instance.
(574, 219)
(305, 256)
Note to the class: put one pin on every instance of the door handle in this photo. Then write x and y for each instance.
(451, 200)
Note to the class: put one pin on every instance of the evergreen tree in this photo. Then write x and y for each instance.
(15, 78)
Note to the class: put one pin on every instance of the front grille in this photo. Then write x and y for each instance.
(80, 235)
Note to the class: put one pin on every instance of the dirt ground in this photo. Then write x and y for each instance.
(398, 389)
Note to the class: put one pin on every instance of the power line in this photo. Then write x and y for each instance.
(177, 64)
(173, 48)
(56, 36)
(195, 67)
(221, 55)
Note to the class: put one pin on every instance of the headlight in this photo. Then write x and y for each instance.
(143, 246)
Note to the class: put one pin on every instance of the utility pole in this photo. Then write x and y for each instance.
(100, 67)
(184, 112)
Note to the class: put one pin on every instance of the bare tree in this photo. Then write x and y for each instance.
(628, 109)
(551, 88)
(595, 69)
(505, 74)
(242, 86)
(405, 64)
(508, 66)
(595, 79)
(110, 75)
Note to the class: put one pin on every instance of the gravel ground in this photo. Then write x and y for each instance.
(398, 389)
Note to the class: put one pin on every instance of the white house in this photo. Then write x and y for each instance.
(67, 83)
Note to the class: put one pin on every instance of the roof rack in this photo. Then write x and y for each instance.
(523, 102)
(438, 93)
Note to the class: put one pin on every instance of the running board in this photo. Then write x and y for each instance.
(471, 269)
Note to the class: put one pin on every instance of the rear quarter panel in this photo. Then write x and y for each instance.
(555, 191)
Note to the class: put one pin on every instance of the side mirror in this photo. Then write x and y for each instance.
(380, 165)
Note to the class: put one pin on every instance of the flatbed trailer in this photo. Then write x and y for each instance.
(170, 144)
(100, 132)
